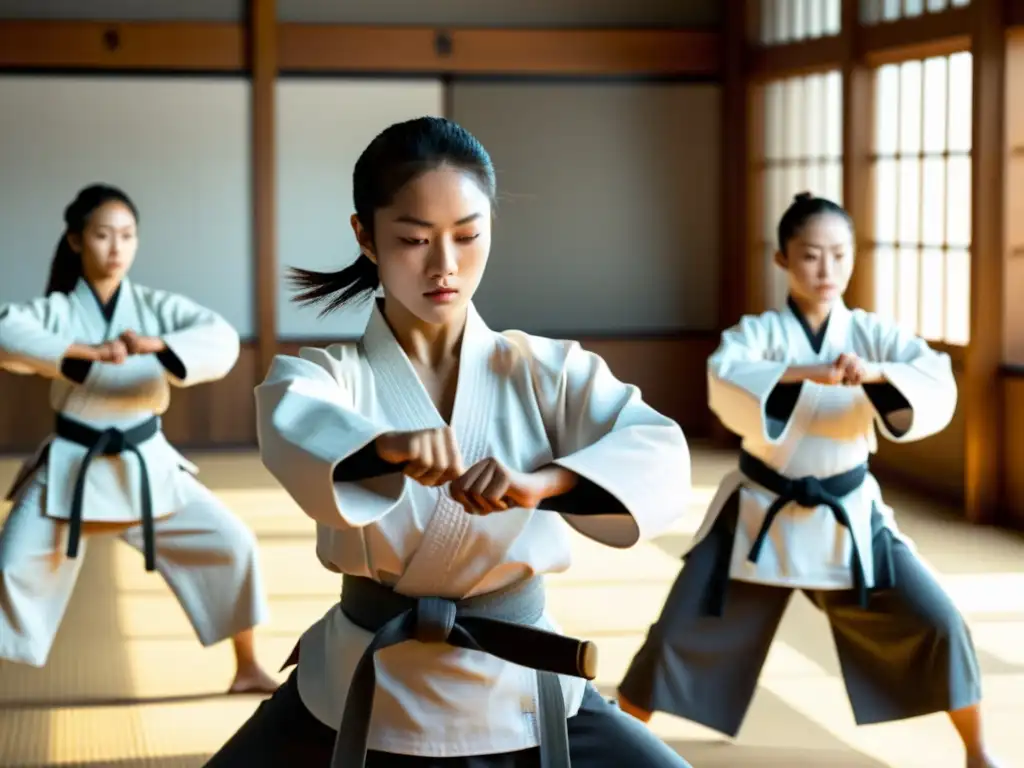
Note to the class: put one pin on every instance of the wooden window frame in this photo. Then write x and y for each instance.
(764, 242)
(955, 351)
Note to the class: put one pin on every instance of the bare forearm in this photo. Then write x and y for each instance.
(830, 375)
(81, 352)
(797, 374)
(554, 480)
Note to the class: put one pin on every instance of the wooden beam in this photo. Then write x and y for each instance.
(919, 37)
(157, 46)
(858, 139)
(1014, 13)
(263, 39)
(931, 34)
(592, 52)
(983, 412)
(802, 58)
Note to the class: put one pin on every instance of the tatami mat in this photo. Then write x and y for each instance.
(128, 684)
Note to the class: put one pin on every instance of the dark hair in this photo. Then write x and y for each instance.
(805, 207)
(395, 157)
(66, 267)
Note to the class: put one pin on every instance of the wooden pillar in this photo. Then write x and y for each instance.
(263, 63)
(733, 276)
(983, 411)
(734, 172)
(858, 132)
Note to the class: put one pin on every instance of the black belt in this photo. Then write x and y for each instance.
(496, 624)
(807, 492)
(110, 442)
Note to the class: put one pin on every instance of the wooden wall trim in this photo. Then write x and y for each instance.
(1014, 13)
(802, 58)
(1012, 387)
(334, 48)
(264, 45)
(139, 46)
(222, 414)
(930, 34)
(983, 422)
(325, 48)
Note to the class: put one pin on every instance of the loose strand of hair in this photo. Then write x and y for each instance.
(354, 284)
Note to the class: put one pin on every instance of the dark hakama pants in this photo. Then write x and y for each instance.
(908, 653)
(282, 732)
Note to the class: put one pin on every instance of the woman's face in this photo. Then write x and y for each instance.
(431, 244)
(819, 260)
(108, 242)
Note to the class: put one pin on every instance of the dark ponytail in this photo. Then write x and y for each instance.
(66, 267)
(806, 206)
(395, 157)
(356, 282)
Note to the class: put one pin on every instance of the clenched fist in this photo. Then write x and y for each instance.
(142, 345)
(431, 456)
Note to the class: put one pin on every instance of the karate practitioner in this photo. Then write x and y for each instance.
(806, 387)
(444, 464)
(113, 349)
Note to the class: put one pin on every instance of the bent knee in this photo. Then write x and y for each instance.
(221, 529)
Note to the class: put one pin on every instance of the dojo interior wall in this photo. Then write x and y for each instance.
(608, 226)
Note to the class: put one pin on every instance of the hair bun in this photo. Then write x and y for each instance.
(803, 197)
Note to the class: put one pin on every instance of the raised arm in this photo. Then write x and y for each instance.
(307, 426)
(201, 345)
(742, 385)
(636, 459)
(915, 393)
(35, 337)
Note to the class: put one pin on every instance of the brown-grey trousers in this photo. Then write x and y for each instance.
(282, 732)
(909, 654)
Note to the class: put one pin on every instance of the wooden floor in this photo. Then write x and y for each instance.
(128, 685)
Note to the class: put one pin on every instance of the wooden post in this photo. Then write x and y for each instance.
(263, 62)
(983, 405)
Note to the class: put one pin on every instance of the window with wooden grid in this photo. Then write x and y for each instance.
(880, 11)
(790, 21)
(922, 185)
(803, 152)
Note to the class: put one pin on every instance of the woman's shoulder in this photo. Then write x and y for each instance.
(51, 307)
(342, 359)
(540, 354)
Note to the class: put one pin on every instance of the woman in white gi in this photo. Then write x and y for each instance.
(441, 462)
(805, 388)
(113, 349)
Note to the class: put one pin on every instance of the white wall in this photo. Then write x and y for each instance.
(178, 146)
(608, 221)
(322, 127)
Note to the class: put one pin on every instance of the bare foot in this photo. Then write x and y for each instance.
(253, 679)
(641, 714)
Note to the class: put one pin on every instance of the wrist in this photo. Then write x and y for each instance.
(873, 374)
(554, 480)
